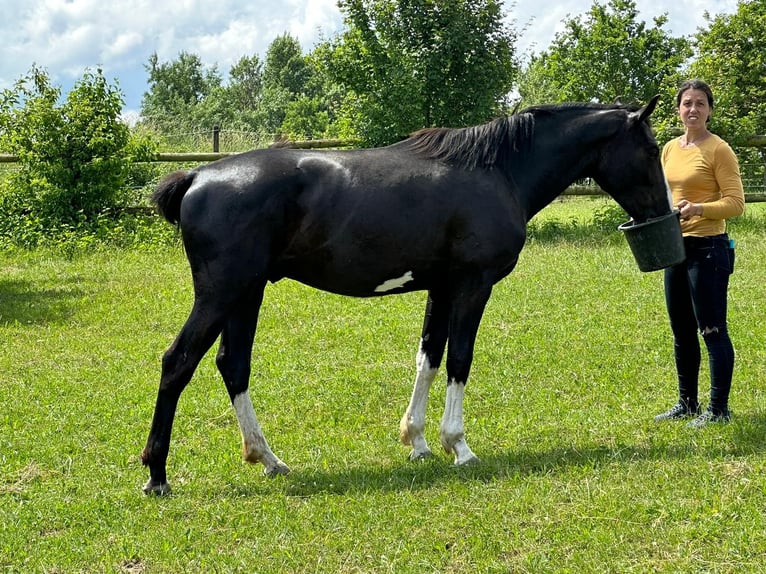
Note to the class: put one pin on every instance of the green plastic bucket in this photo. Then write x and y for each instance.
(656, 243)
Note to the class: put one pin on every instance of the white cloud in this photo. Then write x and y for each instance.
(67, 36)
(311, 18)
(122, 45)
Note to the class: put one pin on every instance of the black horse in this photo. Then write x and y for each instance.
(443, 211)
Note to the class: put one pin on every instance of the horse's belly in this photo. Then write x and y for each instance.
(359, 280)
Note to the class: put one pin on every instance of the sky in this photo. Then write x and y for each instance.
(68, 37)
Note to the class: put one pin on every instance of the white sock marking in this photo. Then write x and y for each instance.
(254, 445)
(413, 423)
(451, 431)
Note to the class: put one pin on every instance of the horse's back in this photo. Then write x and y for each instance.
(329, 186)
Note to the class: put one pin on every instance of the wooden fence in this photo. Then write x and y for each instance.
(575, 189)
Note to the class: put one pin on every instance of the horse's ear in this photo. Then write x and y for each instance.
(647, 110)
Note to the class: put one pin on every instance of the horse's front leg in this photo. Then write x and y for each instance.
(468, 304)
(451, 432)
(413, 423)
(430, 352)
(233, 361)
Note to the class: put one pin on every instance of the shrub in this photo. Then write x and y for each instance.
(74, 157)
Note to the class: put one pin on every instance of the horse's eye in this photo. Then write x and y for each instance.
(654, 152)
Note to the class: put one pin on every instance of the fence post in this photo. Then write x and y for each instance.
(216, 133)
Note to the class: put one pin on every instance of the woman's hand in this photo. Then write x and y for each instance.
(688, 209)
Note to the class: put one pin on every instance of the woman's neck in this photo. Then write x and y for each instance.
(693, 137)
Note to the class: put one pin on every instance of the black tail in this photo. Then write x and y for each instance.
(169, 193)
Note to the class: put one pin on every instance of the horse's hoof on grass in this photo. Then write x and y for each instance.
(278, 469)
(416, 456)
(156, 488)
(470, 461)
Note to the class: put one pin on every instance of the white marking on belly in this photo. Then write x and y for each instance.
(391, 284)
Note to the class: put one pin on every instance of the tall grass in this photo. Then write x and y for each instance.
(573, 359)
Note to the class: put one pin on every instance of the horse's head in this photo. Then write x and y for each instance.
(629, 167)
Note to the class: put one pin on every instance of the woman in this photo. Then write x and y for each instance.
(703, 174)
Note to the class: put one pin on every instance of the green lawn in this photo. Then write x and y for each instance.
(574, 358)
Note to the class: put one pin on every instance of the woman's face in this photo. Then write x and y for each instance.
(694, 108)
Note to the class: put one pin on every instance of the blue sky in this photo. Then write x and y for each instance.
(66, 37)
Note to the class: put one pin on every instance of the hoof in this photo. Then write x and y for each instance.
(462, 452)
(416, 456)
(470, 461)
(158, 489)
(277, 469)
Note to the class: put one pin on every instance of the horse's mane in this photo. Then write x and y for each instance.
(488, 144)
(476, 146)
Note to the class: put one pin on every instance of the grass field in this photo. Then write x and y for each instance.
(573, 359)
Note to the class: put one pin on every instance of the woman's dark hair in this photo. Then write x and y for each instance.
(695, 85)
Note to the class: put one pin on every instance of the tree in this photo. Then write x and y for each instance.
(732, 59)
(407, 64)
(312, 114)
(246, 83)
(286, 66)
(305, 118)
(285, 77)
(74, 157)
(536, 84)
(176, 88)
(257, 97)
(605, 56)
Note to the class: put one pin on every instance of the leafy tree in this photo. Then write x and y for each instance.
(285, 78)
(215, 109)
(271, 112)
(74, 157)
(286, 67)
(536, 84)
(732, 59)
(246, 83)
(604, 56)
(176, 88)
(237, 104)
(381, 99)
(305, 118)
(185, 94)
(313, 113)
(406, 64)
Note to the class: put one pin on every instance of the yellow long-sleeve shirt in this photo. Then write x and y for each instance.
(708, 174)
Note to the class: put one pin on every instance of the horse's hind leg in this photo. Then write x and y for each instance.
(178, 365)
(233, 360)
(430, 353)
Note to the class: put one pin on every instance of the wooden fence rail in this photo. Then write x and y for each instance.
(577, 189)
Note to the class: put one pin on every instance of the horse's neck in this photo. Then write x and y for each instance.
(561, 155)
(542, 186)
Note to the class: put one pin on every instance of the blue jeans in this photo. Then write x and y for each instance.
(696, 298)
